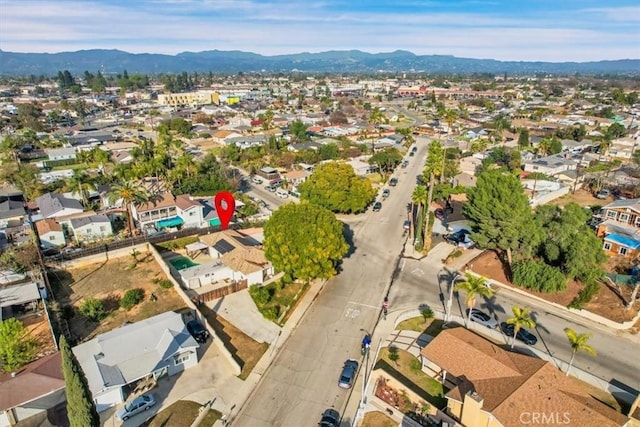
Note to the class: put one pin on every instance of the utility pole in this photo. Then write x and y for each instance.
(450, 301)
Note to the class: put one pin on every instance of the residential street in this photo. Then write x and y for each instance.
(418, 283)
(303, 380)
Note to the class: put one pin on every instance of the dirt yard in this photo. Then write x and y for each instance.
(108, 282)
(607, 303)
(581, 197)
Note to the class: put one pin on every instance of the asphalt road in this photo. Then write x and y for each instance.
(421, 282)
(302, 381)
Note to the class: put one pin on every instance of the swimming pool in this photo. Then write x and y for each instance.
(182, 262)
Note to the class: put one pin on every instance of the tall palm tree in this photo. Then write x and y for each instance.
(418, 197)
(129, 192)
(521, 319)
(500, 124)
(544, 147)
(81, 185)
(578, 343)
(473, 286)
(433, 167)
(376, 117)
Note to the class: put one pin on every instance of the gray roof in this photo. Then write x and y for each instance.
(11, 208)
(93, 219)
(554, 161)
(622, 203)
(131, 352)
(19, 294)
(51, 203)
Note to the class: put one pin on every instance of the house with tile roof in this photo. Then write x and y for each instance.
(620, 228)
(167, 211)
(490, 386)
(243, 255)
(50, 233)
(150, 348)
(37, 387)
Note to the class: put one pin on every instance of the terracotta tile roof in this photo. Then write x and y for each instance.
(295, 174)
(185, 201)
(512, 383)
(47, 225)
(35, 380)
(232, 236)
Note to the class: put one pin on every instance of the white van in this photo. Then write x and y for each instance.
(282, 193)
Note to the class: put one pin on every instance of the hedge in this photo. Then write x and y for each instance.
(538, 276)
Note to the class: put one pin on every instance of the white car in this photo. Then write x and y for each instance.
(482, 318)
(256, 180)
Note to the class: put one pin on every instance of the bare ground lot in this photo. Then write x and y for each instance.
(607, 303)
(582, 198)
(108, 281)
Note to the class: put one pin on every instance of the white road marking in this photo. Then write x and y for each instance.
(417, 272)
(352, 313)
(404, 263)
(364, 305)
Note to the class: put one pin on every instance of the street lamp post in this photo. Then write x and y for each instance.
(450, 301)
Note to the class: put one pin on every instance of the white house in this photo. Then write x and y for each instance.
(61, 153)
(91, 228)
(207, 274)
(151, 348)
(551, 165)
(190, 210)
(50, 233)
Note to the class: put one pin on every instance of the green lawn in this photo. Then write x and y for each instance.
(407, 370)
(182, 414)
(274, 299)
(431, 327)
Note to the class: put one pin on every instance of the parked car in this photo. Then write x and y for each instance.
(393, 182)
(377, 206)
(256, 180)
(404, 164)
(411, 154)
(414, 149)
(482, 318)
(137, 405)
(348, 374)
(270, 188)
(407, 224)
(330, 418)
(603, 194)
(385, 193)
(523, 335)
(460, 238)
(197, 331)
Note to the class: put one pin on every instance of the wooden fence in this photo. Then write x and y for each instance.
(221, 292)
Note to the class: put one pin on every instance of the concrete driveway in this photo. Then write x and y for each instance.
(240, 310)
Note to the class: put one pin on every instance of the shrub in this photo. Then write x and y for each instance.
(92, 309)
(178, 243)
(271, 313)
(260, 295)
(415, 366)
(585, 295)
(166, 284)
(131, 298)
(538, 276)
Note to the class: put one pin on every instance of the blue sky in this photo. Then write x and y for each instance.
(545, 30)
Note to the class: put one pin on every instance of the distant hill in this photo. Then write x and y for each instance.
(345, 61)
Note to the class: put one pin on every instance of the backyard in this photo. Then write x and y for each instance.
(107, 282)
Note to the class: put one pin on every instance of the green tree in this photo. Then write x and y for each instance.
(386, 160)
(500, 124)
(450, 117)
(521, 319)
(129, 192)
(419, 197)
(499, 212)
(434, 167)
(616, 130)
(17, 346)
(304, 241)
(523, 138)
(93, 309)
(81, 409)
(473, 286)
(336, 187)
(578, 343)
(427, 314)
(299, 130)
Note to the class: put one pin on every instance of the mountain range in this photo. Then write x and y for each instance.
(343, 61)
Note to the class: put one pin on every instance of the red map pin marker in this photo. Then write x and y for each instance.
(225, 207)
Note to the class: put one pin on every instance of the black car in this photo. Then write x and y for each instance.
(377, 206)
(330, 418)
(457, 237)
(393, 182)
(523, 335)
(197, 331)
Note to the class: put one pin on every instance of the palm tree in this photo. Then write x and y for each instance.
(500, 124)
(419, 197)
(433, 167)
(79, 184)
(544, 146)
(578, 343)
(129, 192)
(473, 286)
(450, 117)
(521, 319)
(376, 118)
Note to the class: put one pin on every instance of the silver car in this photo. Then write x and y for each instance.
(137, 405)
(483, 318)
